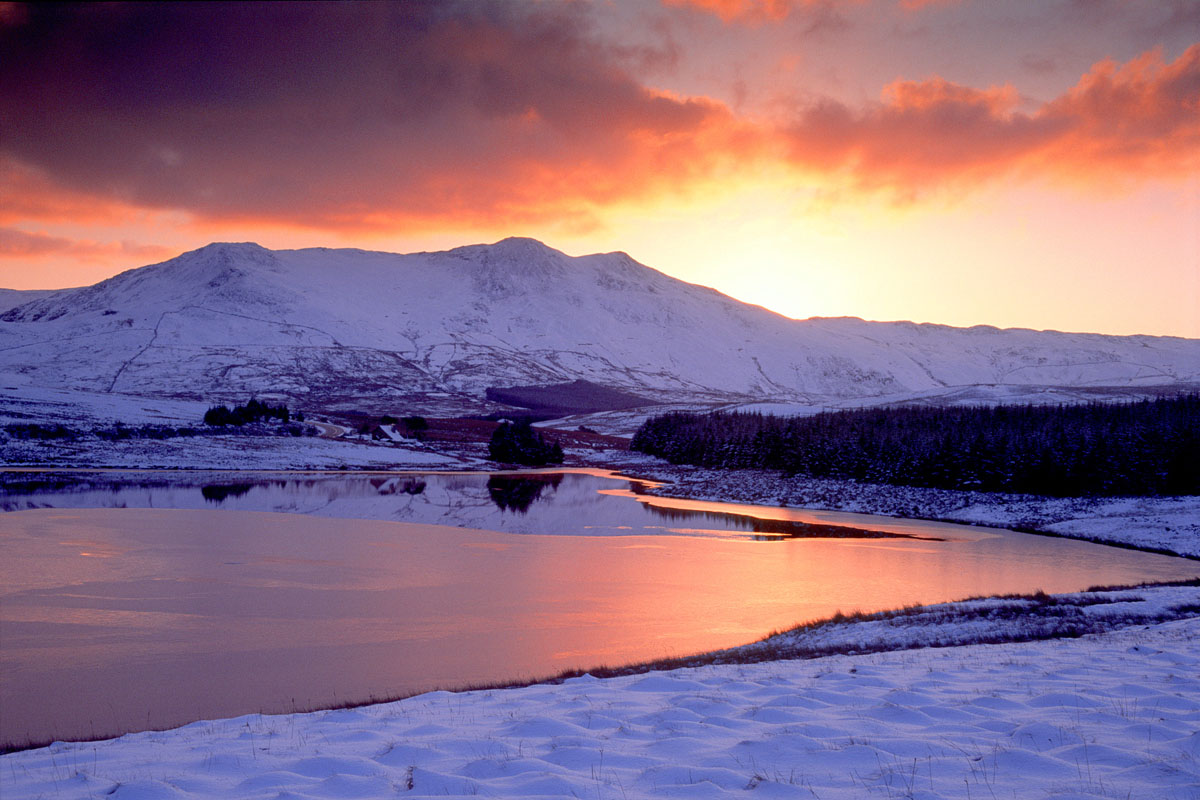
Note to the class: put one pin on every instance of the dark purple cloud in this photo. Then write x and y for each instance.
(336, 113)
(395, 115)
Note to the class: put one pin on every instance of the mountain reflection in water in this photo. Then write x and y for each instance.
(579, 503)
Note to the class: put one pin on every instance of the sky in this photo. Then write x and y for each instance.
(1027, 163)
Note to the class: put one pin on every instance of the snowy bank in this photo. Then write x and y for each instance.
(88, 414)
(1168, 524)
(1107, 715)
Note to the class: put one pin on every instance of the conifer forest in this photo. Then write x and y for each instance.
(1150, 447)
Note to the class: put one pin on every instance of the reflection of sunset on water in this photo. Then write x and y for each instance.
(567, 502)
(216, 612)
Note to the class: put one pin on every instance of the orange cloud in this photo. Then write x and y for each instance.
(497, 115)
(16, 243)
(1134, 121)
(755, 12)
(917, 5)
(27, 193)
(1141, 117)
(742, 10)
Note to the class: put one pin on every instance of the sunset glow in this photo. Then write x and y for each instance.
(1029, 164)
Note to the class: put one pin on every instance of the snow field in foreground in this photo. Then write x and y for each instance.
(1112, 715)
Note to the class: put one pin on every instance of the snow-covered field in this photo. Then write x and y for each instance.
(82, 409)
(226, 452)
(85, 412)
(1100, 716)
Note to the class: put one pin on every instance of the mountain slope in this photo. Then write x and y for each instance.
(11, 298)
(350, 326)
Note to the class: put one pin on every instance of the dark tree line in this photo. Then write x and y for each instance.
(1144, 448)
(254, 411)
(519, 443)
(116, 432)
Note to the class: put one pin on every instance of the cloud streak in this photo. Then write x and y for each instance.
(16, 243)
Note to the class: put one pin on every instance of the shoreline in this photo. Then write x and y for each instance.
(1162, 525)
(906, 628)
(921, 662)
(1093, 716)
(1135, 522)
(656, 478)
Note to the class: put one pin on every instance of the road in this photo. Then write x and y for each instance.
(328, 429)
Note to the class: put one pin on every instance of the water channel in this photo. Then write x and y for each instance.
(131, 601)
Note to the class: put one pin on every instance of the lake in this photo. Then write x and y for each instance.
(143, 600)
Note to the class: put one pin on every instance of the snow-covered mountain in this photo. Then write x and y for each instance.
(11, 298)
(355, 327)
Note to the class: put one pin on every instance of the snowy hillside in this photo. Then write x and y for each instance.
(350, 326)
(10, 298)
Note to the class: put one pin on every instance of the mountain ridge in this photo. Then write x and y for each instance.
(356, 326)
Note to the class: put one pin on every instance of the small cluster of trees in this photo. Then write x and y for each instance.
(1142, 448)
(254, 411)
(519, 443)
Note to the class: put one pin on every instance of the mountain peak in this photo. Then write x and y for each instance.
(225, 259)
(230, 247)
(512, 266)
(229, 251)
(522, 244)
(514, 249)
(214, 268)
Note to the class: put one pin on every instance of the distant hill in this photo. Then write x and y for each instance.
(577, 397)
(10, 298)
(359, 328)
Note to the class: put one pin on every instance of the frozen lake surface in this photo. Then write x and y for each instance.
(143, 600)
